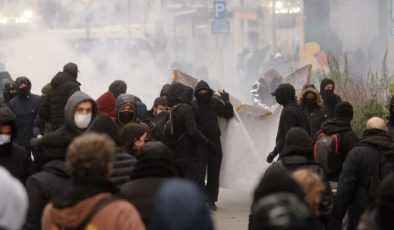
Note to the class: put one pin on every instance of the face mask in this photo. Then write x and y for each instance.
(5, 139)
(203, 98)
(126, 117)
(310, 102)
(328, 95)
(82, 121)
(23, 92)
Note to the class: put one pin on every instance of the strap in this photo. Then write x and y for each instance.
(97, 207)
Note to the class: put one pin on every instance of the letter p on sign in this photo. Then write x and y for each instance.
(220, 9)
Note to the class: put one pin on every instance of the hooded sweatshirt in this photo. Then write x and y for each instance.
(25, 109)
(69, 129)
(125, 99)
(330, 99)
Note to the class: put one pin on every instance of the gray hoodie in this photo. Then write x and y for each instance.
(71, 106)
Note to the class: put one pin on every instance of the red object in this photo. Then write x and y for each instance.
(106, 104)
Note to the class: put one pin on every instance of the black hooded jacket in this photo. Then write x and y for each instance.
(390, 123)
(207, 112)
(63, 86)
(154, 166)
(25, 110)
(330, 99)
(51, 179)
(358, 170)
(12, 156)
(122, 100)
(346, 135)
(185, 126)
(123, 163)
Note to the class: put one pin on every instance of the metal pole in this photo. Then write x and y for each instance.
(273, 24)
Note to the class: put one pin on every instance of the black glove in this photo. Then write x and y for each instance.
(225, 96)
(271, 157)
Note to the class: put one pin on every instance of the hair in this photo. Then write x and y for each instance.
(90, 154)
(160, 101)
(312, 185)
(130, 133)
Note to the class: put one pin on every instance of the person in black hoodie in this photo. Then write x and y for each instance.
(9, 92)
(188, 158)
(207, 108)
(330, 99)
(340, 124)
(355, 182)
(51, 179)
(12, 156)
(64, 84)
(291, 116)
(123, 163)
(25, 107)
(298, 154)
(154, 165)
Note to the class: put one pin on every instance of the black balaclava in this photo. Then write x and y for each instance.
(206, 97)
(284, 94)
(328, 95)
(117, 88)
(309, 103)
(7, 94)
(23, 93)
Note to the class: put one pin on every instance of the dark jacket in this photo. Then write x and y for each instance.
(346, 135)
(12, 156)
(207, 113)
(185, 127)
(154, 165)
(313, 112)
(390, 123)
(357, 173)
(25, 110)
(41, 187)
(63, 86)
(291, 116)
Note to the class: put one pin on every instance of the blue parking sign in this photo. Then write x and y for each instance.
(220, 11)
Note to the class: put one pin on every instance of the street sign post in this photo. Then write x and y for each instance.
(220, 25)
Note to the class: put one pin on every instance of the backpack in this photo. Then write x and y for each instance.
(326, 151)
(384, 167)
(167, 128)
(97, 207)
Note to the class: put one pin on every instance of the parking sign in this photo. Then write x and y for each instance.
(219, 7)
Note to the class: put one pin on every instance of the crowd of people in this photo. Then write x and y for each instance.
(68, 161)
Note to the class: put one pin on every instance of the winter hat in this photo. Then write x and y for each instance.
(344, 110)
(71, 68)
(105, 125)
(180, 205)
(298, 136)
(325, 82)
(284, 93)
(117, 88)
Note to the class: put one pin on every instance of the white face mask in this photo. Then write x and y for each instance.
(5, 139)
(82, 121)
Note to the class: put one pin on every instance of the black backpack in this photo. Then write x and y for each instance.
(326, 151)
(384, 167)
(167, 127)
